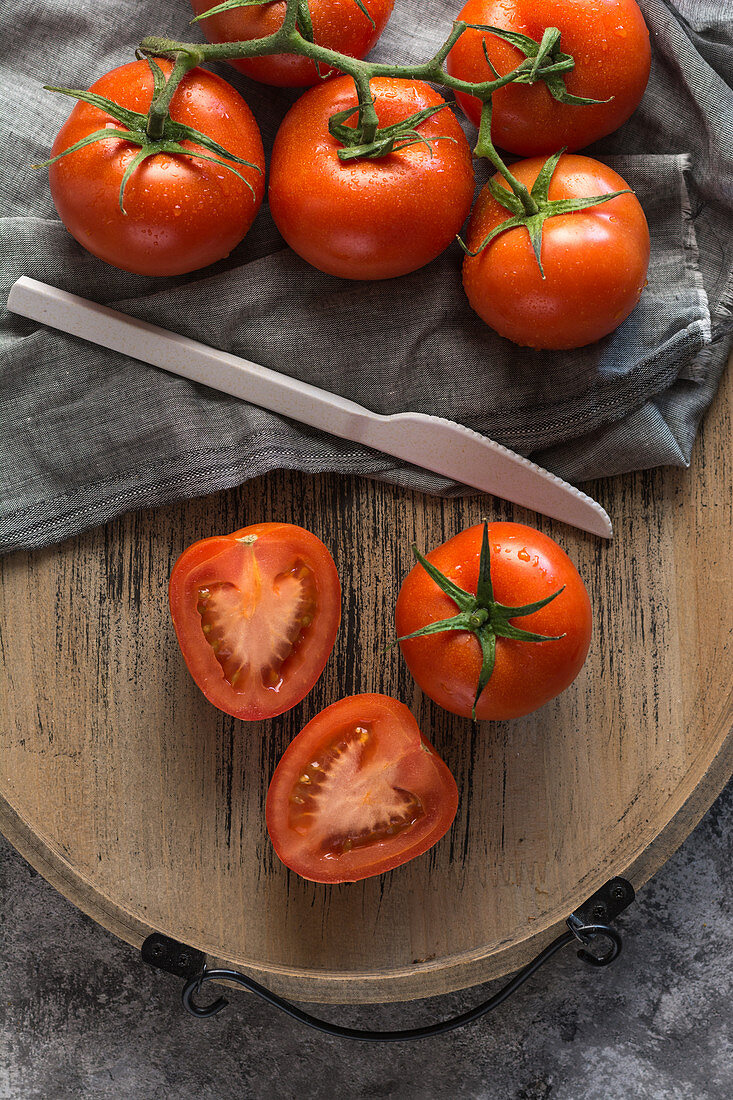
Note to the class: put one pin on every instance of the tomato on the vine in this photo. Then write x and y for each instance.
(370, 218)
(609, 42)
(339, 25)
(531, 655)
(358, 792)
(256, 615)
(595, 260)
(180, 212)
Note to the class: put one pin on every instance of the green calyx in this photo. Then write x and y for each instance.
(155, 132)
(531, 209)
(481, 614)
(545, 61)
(386, 139)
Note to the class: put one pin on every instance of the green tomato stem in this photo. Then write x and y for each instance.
(186, 59)
(485, 148)
(290, 39)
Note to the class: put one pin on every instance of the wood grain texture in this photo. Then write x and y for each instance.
(144, 805)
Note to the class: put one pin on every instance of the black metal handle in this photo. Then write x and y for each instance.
(587, 925)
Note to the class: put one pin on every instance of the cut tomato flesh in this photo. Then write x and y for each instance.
(368, 804)
(256, 615)
(359, 791)
(254, 627)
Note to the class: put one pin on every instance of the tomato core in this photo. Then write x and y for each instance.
(359, 791)
(335, 787)
(254, 629)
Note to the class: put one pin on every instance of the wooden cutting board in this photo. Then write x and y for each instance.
(144, 805)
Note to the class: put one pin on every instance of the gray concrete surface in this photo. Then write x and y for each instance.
(81, 1016)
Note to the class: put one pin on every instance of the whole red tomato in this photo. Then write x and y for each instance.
(610, 44)
(526, 567)
(182, 212)
(337, 24)
(358, 792)
(369, 218)
(256, 615)
(595, 260)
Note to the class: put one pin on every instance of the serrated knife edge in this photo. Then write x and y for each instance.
(464, 455)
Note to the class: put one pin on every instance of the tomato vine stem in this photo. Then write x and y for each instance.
(185, 60)
(542, 61)
(485, 148)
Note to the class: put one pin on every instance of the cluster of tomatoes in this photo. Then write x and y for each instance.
(377, 218)
(360, 790)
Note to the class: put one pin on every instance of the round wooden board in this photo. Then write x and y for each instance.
(144, 805)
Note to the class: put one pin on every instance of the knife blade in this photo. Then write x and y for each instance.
(431, 442)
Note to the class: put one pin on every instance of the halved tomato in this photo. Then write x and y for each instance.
(256, 615)
(358, 792)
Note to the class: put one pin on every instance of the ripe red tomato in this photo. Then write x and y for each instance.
(182, 213)
(358, 792)
(595, 260)
(526, 566)
(256, 615)
(369, 218)
(610, 44)
(337, 24)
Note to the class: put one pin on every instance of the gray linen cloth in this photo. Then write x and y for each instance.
(88, 434)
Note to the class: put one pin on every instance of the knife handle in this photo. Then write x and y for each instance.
(186, 358)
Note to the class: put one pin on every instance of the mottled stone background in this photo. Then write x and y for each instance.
(81, 1015)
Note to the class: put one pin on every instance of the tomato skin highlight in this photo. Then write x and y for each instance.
(609, 42)
(526, 566)
(337, 24)
(369, 219)
(182, 213)
(268, 552)
(595, 260)
(394, 760)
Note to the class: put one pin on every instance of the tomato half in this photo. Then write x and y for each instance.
(526, 566)
(337, 24)
(595, 260)
(182, 213)
(369, 218)
(609, 42)
(358, 792)
(256, 615)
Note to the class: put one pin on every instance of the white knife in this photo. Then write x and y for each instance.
(431, 442)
